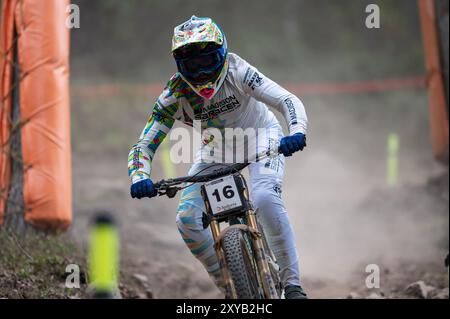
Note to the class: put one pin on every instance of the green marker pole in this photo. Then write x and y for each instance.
(104, 256)
(393, 145)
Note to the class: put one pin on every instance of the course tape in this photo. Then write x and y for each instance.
(302, 89)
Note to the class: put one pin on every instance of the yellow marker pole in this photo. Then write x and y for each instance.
(104, 257)
(168, 167)
(393, 146)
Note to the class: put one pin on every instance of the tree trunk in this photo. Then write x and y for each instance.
(15, 208)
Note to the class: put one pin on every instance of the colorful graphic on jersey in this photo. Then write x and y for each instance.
(158, 125)
(136, 160)
(156, 141)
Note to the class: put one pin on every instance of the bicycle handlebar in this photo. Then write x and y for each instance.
(169, 184)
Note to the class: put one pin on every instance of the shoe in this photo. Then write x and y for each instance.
(294, 292)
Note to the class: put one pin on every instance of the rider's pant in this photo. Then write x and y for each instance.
(266, 179)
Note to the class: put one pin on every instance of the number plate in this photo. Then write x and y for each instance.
(222, 194)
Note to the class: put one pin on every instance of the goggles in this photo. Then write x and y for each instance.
(200, 63)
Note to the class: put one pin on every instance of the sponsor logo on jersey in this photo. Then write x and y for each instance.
(277, 189)
(136, 159)
(213, 110)
(253, 79)
(292, 113)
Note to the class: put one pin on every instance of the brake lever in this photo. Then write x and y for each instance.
(169, 191)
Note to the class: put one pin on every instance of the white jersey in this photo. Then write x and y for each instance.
(241, 102)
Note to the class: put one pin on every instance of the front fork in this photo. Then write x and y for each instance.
(269, 289)
(230, 290)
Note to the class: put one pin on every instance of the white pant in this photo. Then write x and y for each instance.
(266, 179)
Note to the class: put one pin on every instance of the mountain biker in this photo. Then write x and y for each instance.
(222, 90)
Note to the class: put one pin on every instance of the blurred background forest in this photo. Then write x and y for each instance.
(292, 40)
(344, 214)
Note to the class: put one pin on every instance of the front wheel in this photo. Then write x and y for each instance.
(240, 262)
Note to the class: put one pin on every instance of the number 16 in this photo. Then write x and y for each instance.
(227, 192)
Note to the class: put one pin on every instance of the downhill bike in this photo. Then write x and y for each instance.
(248, 267)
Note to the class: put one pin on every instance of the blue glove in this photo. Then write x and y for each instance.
(291, 144)
(144, 188)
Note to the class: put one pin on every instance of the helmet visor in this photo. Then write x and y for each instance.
(200, 64)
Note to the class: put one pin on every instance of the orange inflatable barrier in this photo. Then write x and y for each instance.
(43, 56)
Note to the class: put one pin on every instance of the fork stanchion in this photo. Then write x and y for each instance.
(104, 257)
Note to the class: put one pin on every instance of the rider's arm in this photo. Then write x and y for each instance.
(158, 126)
(254, 83)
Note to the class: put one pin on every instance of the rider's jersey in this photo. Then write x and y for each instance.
(241, 102)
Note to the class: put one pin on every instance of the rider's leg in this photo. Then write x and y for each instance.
(190, 225)
(266, 184)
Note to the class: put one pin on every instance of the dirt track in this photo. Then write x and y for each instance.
(333, 261)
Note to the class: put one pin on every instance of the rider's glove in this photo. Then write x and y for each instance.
(144, 188)
(291, 144)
